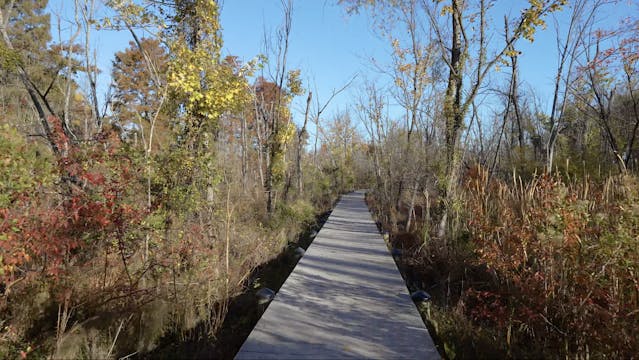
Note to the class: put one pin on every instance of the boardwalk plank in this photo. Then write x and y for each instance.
(344, 299)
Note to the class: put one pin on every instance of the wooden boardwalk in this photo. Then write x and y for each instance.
(344, 299)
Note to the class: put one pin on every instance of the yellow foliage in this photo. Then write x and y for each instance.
(532, 17)
(511, 52)
(447, 10)
(294, 83)
(197, 77)
(287, 134)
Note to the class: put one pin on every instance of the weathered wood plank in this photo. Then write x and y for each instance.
(344, 299)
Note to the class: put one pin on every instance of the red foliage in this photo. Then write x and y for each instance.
(47, 232)
(563, 269)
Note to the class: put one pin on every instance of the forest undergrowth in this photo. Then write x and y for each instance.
(90, 271)
(543, 268)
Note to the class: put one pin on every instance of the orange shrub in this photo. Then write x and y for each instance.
(565, 260)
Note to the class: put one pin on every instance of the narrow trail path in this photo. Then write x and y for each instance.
(344, 299)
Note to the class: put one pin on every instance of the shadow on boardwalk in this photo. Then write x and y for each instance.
(345, 299)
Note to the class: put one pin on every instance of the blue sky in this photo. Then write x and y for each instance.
(330, 46)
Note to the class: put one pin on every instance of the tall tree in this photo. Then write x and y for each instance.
(464, 82)
(581, 17)
(272, 100)
(25, 32)
(138, 95)
(275, 131)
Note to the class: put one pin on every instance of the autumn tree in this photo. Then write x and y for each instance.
(276, 131)
(25, 31)
(272, 100)
(203, 89)
(138, 90)
(415, 80)
(456, 52)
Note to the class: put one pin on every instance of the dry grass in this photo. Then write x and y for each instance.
(123, 301)
(541, 268)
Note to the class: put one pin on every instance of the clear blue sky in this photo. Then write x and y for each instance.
(330, 46)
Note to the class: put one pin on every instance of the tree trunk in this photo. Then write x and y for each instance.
(631, 136)
(300, 137)
(453, 114)
(411, 209)
(244, 151)
(515, 101)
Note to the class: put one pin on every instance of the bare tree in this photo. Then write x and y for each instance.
(270, 110)
(580, 19)
(462, 88)
(319, 110)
